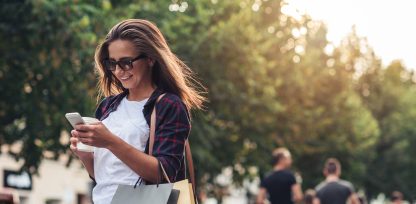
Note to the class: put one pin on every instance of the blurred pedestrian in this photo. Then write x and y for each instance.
(334, 190)
(280, 185)
(397, 197)
(362, 199)
(310, 197)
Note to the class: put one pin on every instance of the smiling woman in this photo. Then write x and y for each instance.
(137, 74)
(168, 72)
(131, 79)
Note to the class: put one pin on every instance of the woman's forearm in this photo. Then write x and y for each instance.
(88, 162)
(144, 165)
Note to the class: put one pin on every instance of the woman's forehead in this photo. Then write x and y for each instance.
(120, 49)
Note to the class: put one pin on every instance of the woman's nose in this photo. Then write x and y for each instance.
(118, 70)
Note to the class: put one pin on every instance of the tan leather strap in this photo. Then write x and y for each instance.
(189, 160)
(153, 127)
(164, 172)
(188, 153)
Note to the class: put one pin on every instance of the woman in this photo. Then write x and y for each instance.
(137, 71)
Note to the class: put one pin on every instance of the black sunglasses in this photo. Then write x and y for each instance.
(124, 64)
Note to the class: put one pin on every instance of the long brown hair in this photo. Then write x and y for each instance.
(169, 73)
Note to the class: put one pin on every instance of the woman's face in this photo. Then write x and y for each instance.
(140, 72)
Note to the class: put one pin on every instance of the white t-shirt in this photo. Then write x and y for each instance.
(128, 123)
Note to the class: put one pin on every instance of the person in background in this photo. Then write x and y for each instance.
(310, 197)
(281, 184)
(334, 190)
(362, 199)
(397, 197)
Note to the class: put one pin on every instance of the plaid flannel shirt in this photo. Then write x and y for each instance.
(172, 128)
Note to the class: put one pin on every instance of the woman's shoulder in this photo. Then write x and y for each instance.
(105, 103)
(106, 99)
(171, 100)
(171, 103)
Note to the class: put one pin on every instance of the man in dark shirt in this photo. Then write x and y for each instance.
(334, 190)
(280, 185)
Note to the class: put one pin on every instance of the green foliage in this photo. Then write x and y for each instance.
(270, 83)
(46, 46)
(390, 95)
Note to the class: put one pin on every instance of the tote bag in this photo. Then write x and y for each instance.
(155, 194)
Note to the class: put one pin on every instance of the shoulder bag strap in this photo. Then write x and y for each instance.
(189, 160)
(153, 126)
(152, 136)
(188, 153)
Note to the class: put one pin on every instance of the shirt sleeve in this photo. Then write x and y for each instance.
(292, 179)
(172, 130)
(263, 183)
(351, 188)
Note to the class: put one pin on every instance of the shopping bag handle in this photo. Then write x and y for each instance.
(188, 152)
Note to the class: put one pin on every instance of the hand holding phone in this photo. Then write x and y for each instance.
(75, 119)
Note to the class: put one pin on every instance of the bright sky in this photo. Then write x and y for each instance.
(389, 25)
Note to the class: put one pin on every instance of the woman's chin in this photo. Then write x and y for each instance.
(127, 85)
(130, 84)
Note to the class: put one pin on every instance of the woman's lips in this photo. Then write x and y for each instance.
(125, 78)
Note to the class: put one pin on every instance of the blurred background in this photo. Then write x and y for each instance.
(322, 78)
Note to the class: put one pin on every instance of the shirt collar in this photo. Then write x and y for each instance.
(149, 104)
(152, 99)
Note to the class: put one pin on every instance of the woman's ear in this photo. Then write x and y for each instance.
(150, 62)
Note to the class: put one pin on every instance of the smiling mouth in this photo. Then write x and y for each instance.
(124, 78)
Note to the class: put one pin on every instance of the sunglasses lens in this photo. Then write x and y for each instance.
(109, 65)
(125, 64)
(112, 65)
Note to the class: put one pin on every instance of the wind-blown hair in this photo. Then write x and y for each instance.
(169, 73)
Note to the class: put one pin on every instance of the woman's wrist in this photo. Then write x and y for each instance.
(114, 143)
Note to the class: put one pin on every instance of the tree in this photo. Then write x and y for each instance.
(46, 46)
(390, 95)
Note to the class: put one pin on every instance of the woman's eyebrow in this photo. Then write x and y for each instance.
(122, 58)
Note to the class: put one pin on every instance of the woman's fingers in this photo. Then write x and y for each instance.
(73, 147)
(73, 141)
(74, 133)
(83, 127)
(84, 135)
(86, 141)
(92, 134)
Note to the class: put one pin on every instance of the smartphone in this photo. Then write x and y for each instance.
(74, 119)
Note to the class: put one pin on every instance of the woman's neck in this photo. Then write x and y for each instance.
(141, 92)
